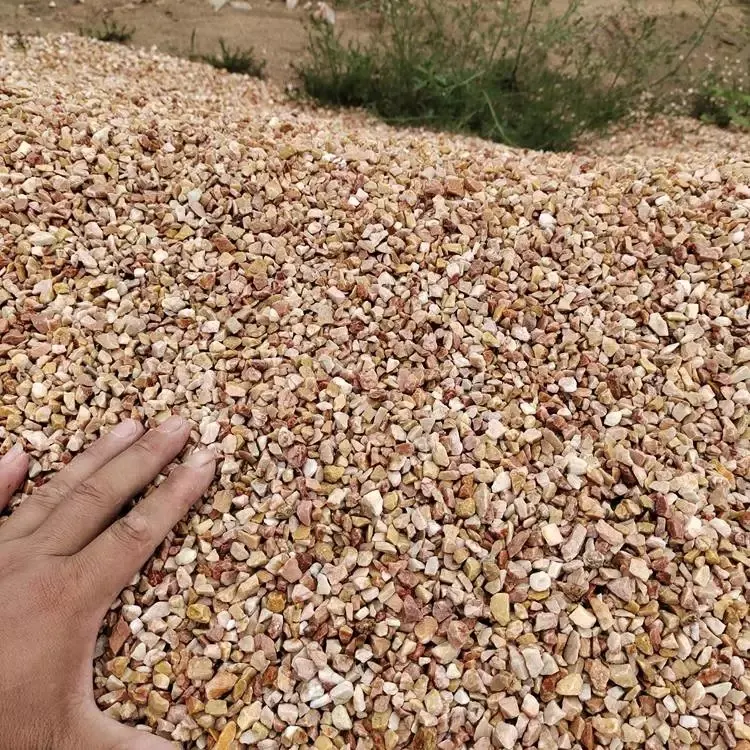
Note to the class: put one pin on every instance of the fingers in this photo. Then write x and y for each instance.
(13, 467)
(32, 513)
(97, 499)
(119, 552)
(101, 731)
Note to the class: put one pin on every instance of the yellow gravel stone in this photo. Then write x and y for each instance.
(226, 737)
(276, 601)
(199, 613)
(500, 608)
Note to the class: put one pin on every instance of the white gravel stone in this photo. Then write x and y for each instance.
(506, 735)
(658, 325)
(547, 220)
(342, 692)
(613, 418)
(540, 581)
(372, 504)
(341, 719)
(533, 660)
(186, 556)
(577, 466)
(583, 618)
(568, 385)
(551, 534)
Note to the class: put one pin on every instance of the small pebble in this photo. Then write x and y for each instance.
(540, 581)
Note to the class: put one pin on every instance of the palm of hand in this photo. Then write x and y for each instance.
(64, 557)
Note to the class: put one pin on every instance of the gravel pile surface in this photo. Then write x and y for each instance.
(483, 414)
(675, 137)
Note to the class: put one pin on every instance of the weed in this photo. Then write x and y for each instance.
(235, 60)
(723, 98)
(509, 71)
(110, 31)
(725, 107)
(20, 42)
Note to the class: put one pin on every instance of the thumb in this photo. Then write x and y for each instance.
(108, 734)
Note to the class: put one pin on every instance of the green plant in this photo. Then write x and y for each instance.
(723, 97)
(110, 31)
(520, 73)
(235, 60)
(20, 42)
(724, 107)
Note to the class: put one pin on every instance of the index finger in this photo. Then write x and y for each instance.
(34, 511)
(121, 550)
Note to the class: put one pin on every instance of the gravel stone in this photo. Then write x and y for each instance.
(657, 324)
(372, 504)
(540, 581)
(571, 684)
(500, 608)
(583, 618)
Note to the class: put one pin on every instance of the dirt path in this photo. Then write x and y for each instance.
(276, 33)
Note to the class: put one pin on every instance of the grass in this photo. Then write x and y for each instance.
(110, 31)
(508, 71)
(20, 42)
(235, 60)
(723, 98)
(723, 106)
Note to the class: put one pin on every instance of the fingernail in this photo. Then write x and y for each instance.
(172, 424)
(126, 428)
(198, 459)
(15, 452)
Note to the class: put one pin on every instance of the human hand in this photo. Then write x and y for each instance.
(63, 559)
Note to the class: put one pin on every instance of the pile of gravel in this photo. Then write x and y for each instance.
(482, 413)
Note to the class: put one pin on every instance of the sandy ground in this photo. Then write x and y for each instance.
(278, 34)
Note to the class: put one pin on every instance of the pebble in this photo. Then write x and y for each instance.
(623, 675)
(186, 556)
(533, 660)
(613, 418)
(372, 504)
(577, 465)
(343, 692)
(551, 534)
(540, 581)
(571, 684)
(290, 570)
(568, 385)
(500, 608)
(639, 568)
(445, 653)
(658, 325)
(506, 735)
(425, 629)
(547, 220)
(583, 618)
(530, 706)
(341, 719)
(219, 685)
(157, 611)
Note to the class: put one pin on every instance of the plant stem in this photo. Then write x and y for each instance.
(522, 40)
(496, 121)
(694, 46)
